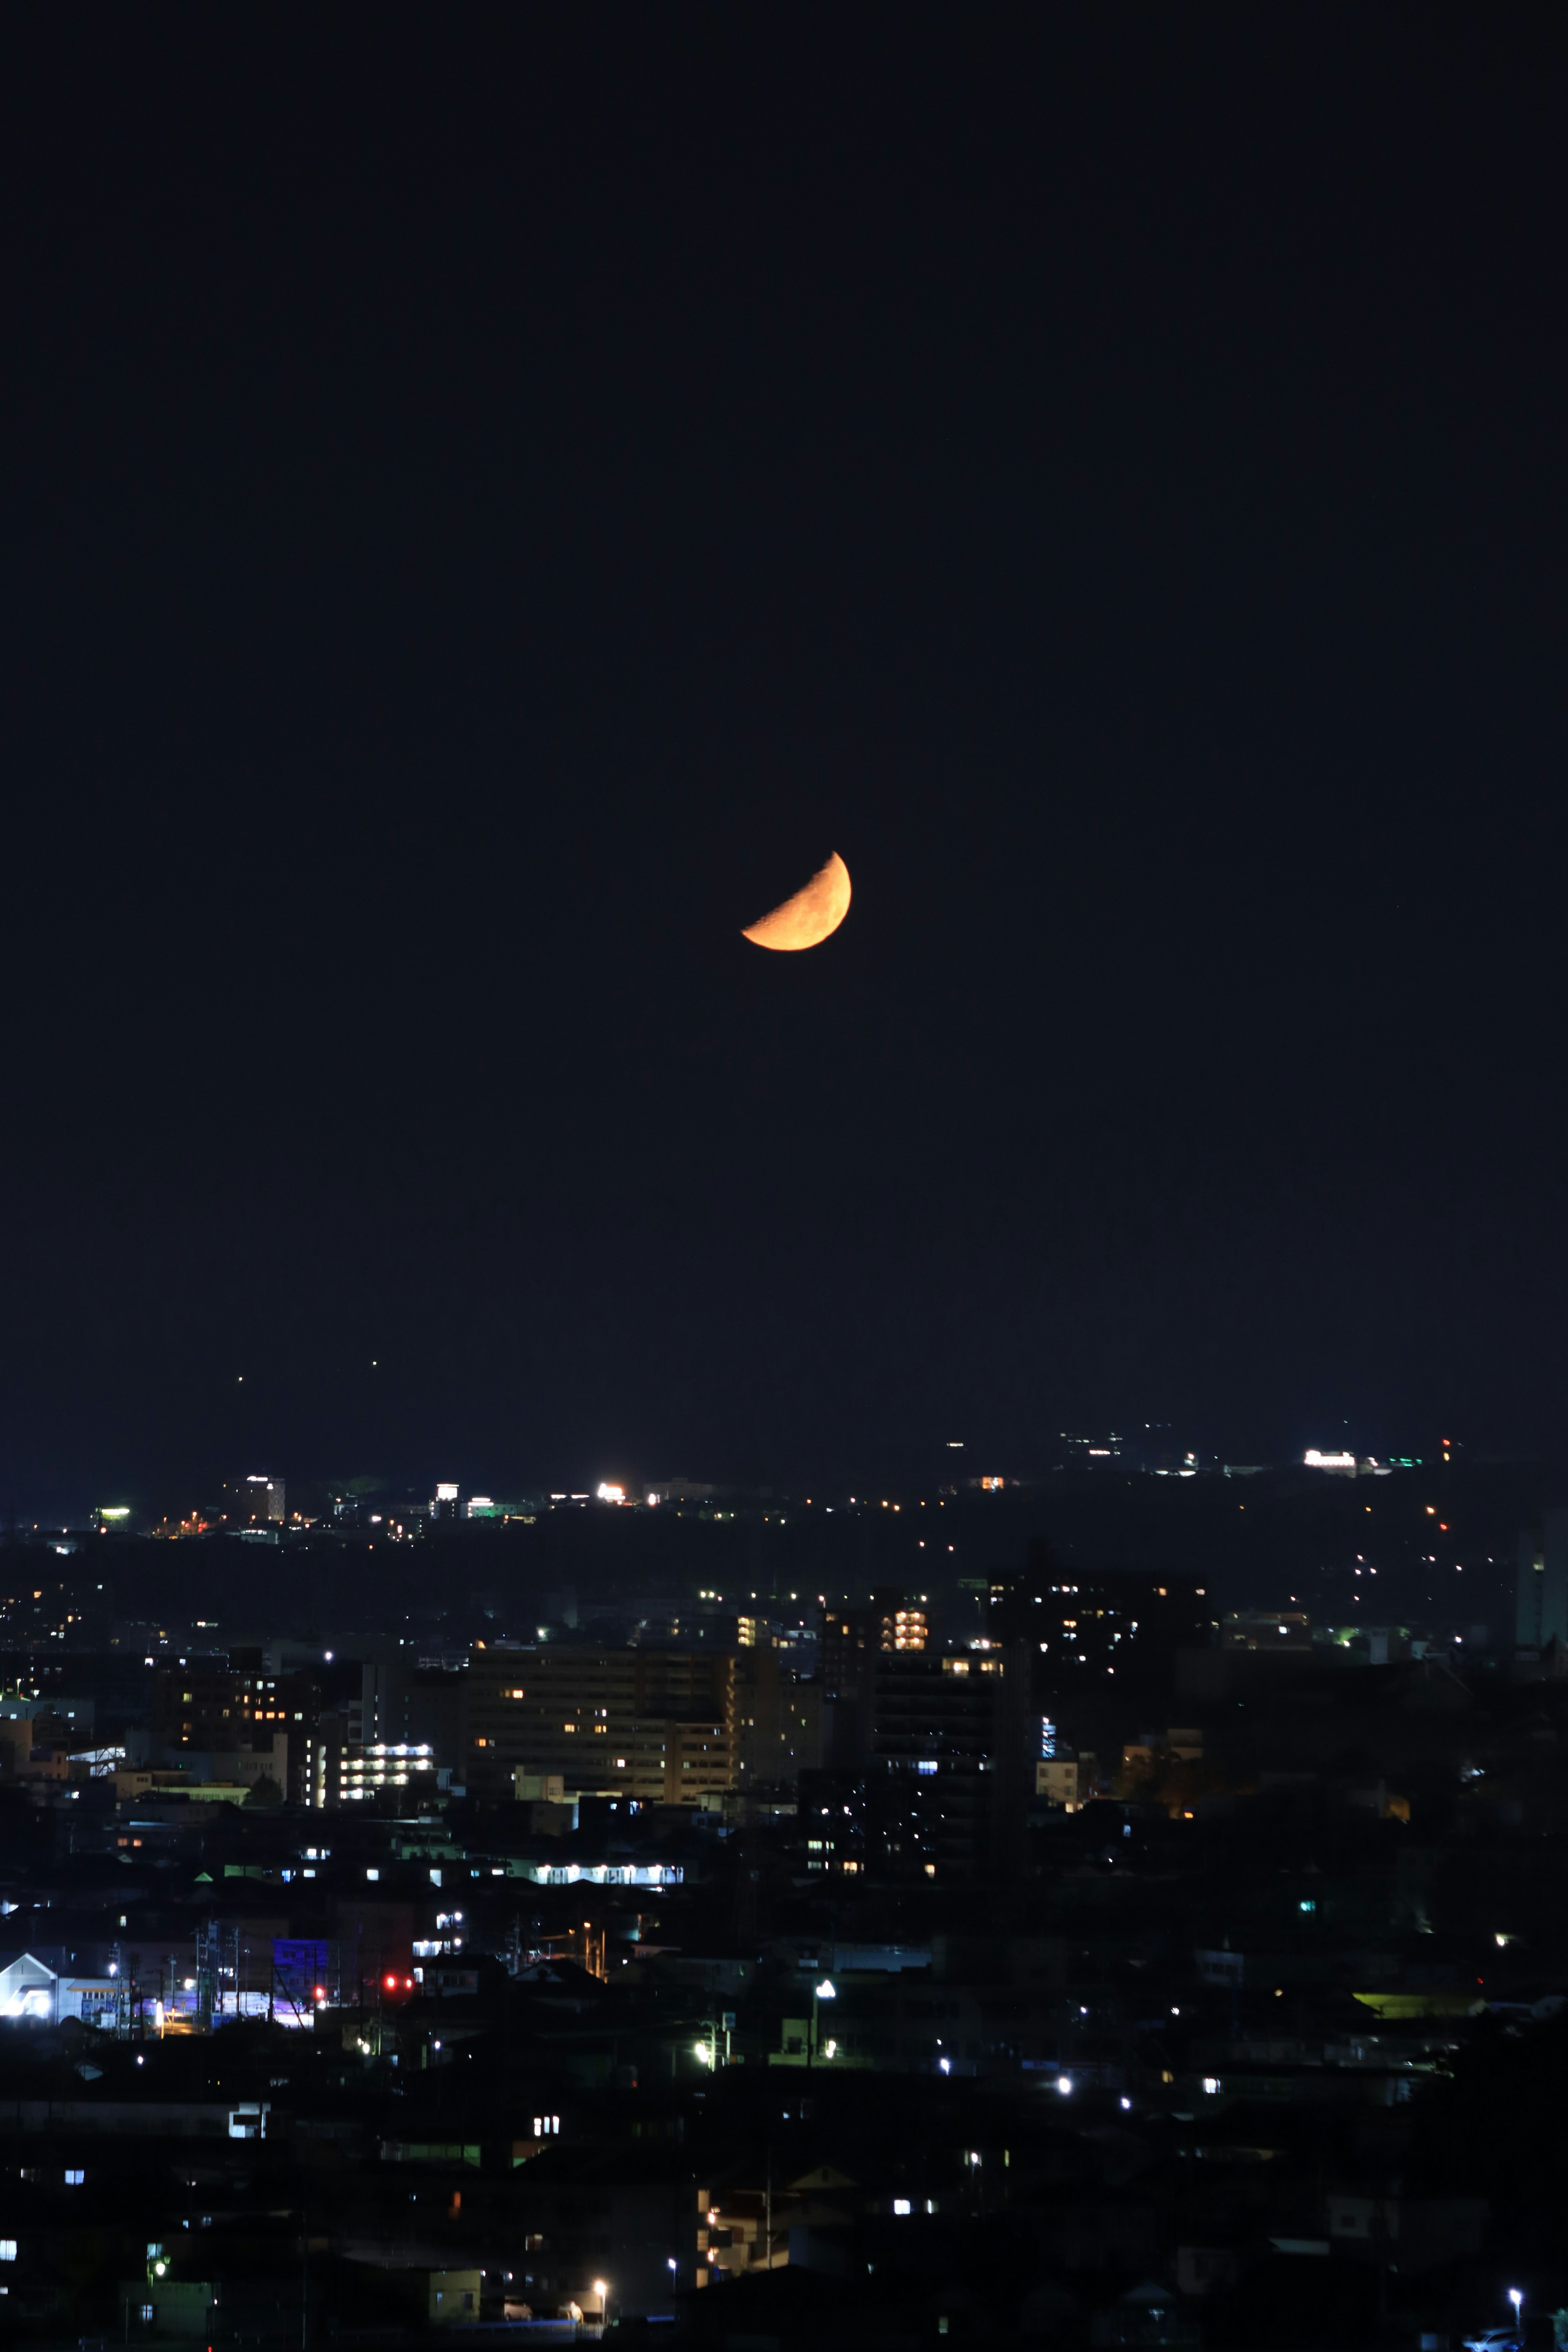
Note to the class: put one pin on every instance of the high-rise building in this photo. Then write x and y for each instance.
(941, 1780)
(893, 1622)
(257, 1501)
(402, 1703)
(655, 1724)
(1541, 1586)
(778, 1721)
(853, 1642)
(208, 1707)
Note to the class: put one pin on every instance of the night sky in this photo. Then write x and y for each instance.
(493, 496)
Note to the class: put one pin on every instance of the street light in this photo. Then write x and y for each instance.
(1516, 2296)
(826, 1991)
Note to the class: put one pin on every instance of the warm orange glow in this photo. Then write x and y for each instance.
(808, 919)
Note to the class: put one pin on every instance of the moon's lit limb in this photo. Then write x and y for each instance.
(808, 919)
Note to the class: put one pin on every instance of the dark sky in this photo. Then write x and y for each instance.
(494, 496)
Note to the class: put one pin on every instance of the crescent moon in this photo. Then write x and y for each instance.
(808, 919)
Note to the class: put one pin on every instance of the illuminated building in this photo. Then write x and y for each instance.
(893, 1622)
(853, 1641)
(1064, 1780)
(213, 1707)
(929, 1790)
(656, 1725)
(361, 1769)
(256, 1501)
(402, 1703)
(1541, 1589)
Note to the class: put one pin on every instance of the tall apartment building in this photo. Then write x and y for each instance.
(1541, 1586)
(778, 1721)
(406, 1705)
(213, 1707)
(854, 1642)
(657, 1724)
(937, 1780)
(852, 1638)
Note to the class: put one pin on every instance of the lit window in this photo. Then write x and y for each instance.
(7, 2249)
(74, 2180)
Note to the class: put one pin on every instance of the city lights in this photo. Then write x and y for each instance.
(538, 1768)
